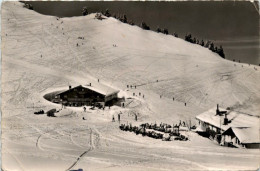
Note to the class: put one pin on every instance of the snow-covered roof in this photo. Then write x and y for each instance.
(246, 135)
(237, 119)
(99, 88)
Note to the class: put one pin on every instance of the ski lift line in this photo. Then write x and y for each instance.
(165, 53)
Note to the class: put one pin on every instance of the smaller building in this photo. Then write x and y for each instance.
(215, 122)
(242, 137)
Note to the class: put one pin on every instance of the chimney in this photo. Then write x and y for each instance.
(89, 84)
(69, 87)
(225, 120)
(217, 111)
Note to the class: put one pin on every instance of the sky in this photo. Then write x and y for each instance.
(232, 24)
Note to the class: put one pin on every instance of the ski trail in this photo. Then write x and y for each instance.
(84, 153)
(37, 142)
(72, 140)
(17, 160)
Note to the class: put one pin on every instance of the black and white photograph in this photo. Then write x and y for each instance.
(130, 85)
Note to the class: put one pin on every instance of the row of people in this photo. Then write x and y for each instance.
(141, 130)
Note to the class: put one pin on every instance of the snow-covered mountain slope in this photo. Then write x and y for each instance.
(187, 72)
(43, 53)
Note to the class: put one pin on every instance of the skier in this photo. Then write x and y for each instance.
(113, 119)
(180, 123)
(135, 117)
(84, 109)
(118, 117)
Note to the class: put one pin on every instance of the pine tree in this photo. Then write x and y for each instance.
(188, 38)
(216, 49)
(85, 11)
(165, 31)
(221, 52)
(124, 19)
(202, 43)
(144, 26)
(194, 40)
(158, 30)
(107, 14)
(28, 6)
(211, 47)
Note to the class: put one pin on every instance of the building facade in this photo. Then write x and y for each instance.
(87, 95)
(229, 128)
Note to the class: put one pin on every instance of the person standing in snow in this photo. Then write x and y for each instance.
(119, 117)
(180, 123)
(113, 119)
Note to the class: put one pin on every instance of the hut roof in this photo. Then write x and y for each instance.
(237, 119)
(97, 87)
(244, 134)
(101, 88)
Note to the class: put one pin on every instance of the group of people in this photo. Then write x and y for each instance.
(118, 117)
(153, 134)
(138, 130)
(131, 86)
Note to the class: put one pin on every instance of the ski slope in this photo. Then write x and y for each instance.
(40, 55)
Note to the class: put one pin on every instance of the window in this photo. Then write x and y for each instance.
(82, 89)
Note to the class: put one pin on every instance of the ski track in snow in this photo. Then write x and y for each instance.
(84, 153)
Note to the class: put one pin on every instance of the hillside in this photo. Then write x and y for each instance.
(40, 54)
